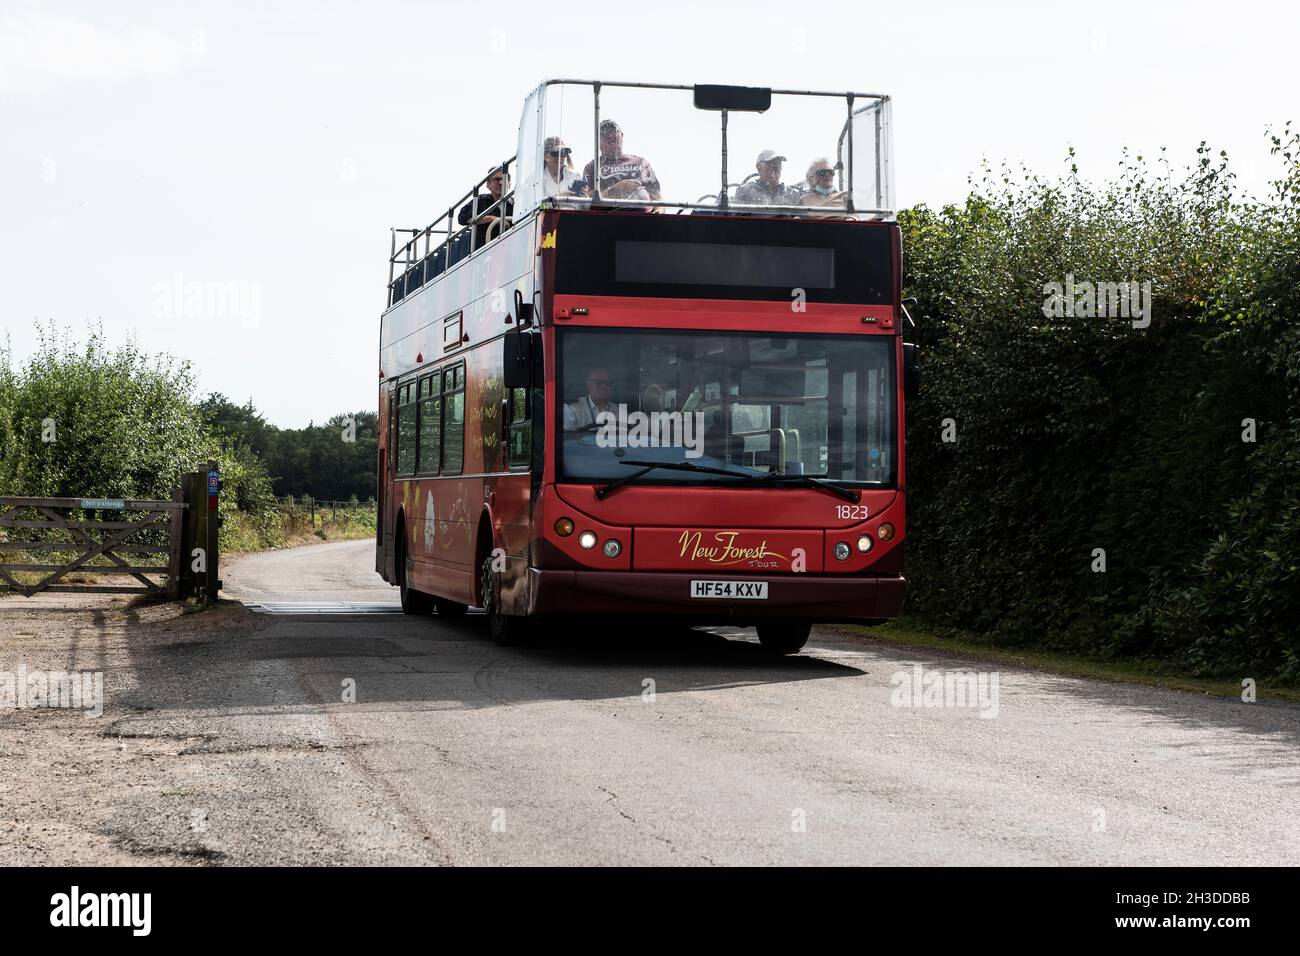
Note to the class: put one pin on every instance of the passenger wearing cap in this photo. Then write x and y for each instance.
(767, 189)
(560, 178)
(622, 175)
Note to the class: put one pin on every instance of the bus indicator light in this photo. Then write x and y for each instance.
(885, 532)
(564, 527)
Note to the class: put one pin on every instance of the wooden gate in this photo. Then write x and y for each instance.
(94, 536)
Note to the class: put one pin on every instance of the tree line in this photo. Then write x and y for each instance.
(333, 461)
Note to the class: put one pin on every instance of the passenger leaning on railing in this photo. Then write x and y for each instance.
(489, 224)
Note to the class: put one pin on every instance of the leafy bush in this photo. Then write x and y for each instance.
(111, 422)
(94, 420)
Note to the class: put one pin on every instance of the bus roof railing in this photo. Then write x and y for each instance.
(431, 250)
(882, 147)
(450, 232)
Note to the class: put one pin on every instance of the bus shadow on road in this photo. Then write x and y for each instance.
(588, 642)
(395, 661)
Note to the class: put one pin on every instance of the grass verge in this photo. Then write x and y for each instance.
(244, 532)
(909, 634)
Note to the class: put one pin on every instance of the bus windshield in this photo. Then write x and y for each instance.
(756, 404)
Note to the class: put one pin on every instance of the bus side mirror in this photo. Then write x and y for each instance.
(523, 311)
(911, 370)
(522, 352)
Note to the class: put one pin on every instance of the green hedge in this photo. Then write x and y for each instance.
(1079, 433)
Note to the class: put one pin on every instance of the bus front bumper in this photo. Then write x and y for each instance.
(825, 599)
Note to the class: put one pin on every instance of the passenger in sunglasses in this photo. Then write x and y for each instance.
(821, 189)
(560, 179)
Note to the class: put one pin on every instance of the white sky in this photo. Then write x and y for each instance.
(270, 146)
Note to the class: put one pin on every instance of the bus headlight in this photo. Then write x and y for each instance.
(564, 527)
(612, 548)
(587, 540)
(842, 551)
(864, 543)
(885, 532)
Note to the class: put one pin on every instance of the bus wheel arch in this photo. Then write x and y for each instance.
(484, 543)
(413, 601)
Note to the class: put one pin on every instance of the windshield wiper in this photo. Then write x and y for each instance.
(809, 481)
(649, 466)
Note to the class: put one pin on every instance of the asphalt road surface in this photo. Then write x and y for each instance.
(602, 745)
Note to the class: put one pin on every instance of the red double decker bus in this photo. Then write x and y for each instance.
(620, 393)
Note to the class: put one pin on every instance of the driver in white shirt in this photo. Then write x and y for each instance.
(583, 412)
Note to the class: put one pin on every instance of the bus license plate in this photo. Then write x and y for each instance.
(732, 590)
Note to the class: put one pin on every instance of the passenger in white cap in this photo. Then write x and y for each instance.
(767, 189)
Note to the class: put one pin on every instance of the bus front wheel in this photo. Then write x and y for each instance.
(505, 629)
(784, 637)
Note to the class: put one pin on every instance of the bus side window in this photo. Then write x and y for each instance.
(453, 419)
(519, 451)
(430, 405)
(391, 399)
(406, 432)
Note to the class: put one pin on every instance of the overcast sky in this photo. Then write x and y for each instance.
(266, 148)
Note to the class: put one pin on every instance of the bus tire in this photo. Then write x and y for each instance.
(784, 637)
(505, 629)
(413, 601)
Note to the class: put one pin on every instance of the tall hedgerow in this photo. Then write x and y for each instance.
(1082, 437)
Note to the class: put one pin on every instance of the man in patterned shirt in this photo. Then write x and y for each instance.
(622, 175)
(767, 189)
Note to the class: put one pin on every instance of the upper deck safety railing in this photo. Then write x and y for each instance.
(678, 124)
(446, 240)
(859, 126)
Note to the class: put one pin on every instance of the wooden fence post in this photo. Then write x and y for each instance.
(213, 582)
(177, 539)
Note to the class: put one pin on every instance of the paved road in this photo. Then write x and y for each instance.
(457, 751)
